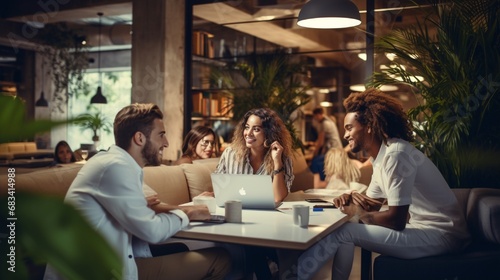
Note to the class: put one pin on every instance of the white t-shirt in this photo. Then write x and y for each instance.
(405, 176)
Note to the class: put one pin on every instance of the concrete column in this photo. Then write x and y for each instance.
(158, 63)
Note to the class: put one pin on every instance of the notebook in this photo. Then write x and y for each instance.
(254, 191)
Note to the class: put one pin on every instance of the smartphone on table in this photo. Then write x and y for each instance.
(316, 200)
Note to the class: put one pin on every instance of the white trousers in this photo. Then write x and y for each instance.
(407, 244)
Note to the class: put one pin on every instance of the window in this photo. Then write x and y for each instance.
(117, 88)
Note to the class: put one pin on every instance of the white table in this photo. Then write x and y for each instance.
(269, 228)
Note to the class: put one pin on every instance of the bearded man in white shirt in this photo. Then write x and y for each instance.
(108, 192)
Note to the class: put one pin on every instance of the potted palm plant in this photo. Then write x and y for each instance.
(94, 122)
(457, 122)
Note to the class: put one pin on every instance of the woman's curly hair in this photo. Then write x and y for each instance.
(381, 112)
(274, 130)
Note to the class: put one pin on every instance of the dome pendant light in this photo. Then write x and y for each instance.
(42, 102)
(98, 97)
(329, 14)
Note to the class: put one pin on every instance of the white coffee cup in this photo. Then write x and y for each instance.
(209, 201)
(301, 215)
(233, 211)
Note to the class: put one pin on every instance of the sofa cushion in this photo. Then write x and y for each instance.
(489, 216)
(169, 182)
(51, 181)
(198, 177)
(483, 214)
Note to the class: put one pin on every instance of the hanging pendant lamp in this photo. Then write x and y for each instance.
(99, 98)
(42, 102)
(329, 14)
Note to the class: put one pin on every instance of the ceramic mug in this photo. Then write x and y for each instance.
(301, 215)
(233, 209)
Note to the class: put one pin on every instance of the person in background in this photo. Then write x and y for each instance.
(328, 134)
(341, 170)
(328, 137)
(201, 142)
(110, 185)
(317, 168)
(422, 218)
(63, 153)
(261, 144)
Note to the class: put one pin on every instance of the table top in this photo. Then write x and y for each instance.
(270, 228)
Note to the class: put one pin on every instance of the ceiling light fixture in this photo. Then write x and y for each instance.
(384, 88)
(329, 14)
(42, 102)
(99, 97)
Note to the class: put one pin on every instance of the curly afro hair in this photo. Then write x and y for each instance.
(382, 112)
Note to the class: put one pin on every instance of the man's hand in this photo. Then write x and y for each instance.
(206, 194)
(152, 200)
(196, 212)
(351, 210)
(367, 203)
(343, 199)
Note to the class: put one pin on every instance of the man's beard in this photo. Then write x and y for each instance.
(355, 148)
(150, 154)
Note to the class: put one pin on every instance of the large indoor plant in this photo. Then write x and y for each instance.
(269, 80)
(457, 124)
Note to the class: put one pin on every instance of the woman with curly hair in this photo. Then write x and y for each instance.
(201, 142)
(261, 144)
(422, 217)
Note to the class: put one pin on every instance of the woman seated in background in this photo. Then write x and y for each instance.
(340, 170)
(342, 173)
(199, 143)
(63, 153)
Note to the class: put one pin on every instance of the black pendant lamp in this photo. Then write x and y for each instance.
(98, 98)
(42, 102)
(329, 14)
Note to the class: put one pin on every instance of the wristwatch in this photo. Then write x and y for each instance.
(275, 172)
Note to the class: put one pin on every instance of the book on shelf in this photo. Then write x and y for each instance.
(203, 44)
(198, 102)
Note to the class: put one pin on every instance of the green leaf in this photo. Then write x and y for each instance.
(461, 67)
(13, 124)
(49, 230)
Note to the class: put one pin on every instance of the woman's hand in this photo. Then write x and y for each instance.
(276, 151)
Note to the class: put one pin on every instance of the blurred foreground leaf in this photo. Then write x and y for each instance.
(47, 230)
(13, 124)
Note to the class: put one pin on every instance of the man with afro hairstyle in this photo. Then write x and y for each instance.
(422, 217)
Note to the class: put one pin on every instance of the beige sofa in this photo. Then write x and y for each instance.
(23, 150)
(174, 184)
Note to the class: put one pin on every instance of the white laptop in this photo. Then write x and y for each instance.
(254, 191)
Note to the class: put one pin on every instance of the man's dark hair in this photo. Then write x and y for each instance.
(134, 118)
(381, 112)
